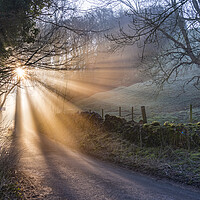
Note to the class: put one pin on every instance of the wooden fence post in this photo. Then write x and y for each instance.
(132, 114)
(144, 116)
(190, 113)
(120, 111)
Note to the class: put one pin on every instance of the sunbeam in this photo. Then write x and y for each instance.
(20, 73)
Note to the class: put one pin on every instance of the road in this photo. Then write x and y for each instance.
(62, 173)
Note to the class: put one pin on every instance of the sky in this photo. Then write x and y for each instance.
(88, 4)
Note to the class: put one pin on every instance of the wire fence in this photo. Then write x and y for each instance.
(129, 115)
(137, 114)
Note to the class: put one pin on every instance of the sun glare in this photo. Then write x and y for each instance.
(21, 73)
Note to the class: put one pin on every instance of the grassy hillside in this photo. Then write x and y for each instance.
(170, 104)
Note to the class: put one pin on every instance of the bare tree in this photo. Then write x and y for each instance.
(172, 26)
(51, 42)
(65, 40)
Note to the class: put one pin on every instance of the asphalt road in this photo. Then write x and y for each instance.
(61, 173)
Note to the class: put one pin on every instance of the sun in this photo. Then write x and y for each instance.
(20, 73)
